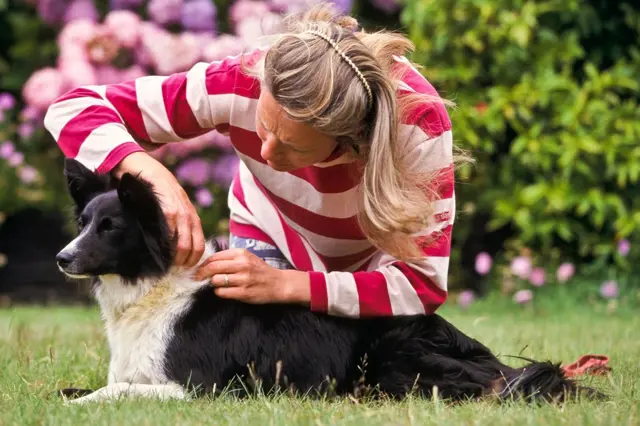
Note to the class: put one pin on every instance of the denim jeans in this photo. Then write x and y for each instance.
(267, 252)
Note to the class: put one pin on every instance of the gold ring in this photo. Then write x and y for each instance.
(226, 280)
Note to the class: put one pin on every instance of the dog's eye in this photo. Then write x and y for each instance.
(105, 225)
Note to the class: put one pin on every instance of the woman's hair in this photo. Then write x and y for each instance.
(317, 86)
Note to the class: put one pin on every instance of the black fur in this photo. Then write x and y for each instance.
(274, 346)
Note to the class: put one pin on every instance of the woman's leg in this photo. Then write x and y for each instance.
(267, 252)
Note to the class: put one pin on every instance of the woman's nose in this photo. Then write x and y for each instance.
(269, 148)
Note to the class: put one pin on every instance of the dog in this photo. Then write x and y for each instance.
(170, 336)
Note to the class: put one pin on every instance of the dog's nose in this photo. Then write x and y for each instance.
(64, 259)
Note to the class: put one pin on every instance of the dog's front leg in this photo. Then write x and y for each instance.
(115, 391)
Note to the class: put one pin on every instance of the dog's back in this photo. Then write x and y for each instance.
(220, 340)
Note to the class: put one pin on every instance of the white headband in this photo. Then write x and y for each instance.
(347, 60)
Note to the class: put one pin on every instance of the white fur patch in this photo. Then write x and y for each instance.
(139, 320)
(116, 391)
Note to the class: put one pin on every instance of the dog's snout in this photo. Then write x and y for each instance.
(64, 259)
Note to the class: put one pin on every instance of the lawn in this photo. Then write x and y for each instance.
(42, 349)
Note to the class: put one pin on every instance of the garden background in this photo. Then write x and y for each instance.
(546, 97)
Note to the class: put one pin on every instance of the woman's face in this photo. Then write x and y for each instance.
(288, 145)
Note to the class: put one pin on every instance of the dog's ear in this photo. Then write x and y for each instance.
(83, 184)
(138, 197)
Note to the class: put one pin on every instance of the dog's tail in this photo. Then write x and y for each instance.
(540, 381)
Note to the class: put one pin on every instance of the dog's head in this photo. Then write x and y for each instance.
(122, 231)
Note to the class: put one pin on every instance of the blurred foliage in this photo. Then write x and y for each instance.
(547, 103)
(26, 43)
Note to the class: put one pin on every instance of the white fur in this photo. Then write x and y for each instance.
(139, 320)
(72, 247)
(118, 390)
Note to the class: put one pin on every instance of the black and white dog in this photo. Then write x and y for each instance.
(171, 336)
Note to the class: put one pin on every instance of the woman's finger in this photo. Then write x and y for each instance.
(226, 280)
(212, 268)
(237, 293)
(197, 240)
(184, 238)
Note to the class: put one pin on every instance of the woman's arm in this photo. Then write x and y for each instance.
(386, 287)
(104, 127)
(100, 125)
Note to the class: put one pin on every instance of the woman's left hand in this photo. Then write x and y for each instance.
(250, 279)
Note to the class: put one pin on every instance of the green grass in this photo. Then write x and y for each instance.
(43, 349)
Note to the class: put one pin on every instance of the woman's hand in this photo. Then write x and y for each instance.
(252, 280)
(176, 206)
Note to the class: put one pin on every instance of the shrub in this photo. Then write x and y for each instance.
(547, 102)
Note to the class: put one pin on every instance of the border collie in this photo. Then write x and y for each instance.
(171, 336)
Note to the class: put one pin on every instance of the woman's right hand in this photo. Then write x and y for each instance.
(180, 213)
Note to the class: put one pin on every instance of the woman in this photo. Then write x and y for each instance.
(344, 199)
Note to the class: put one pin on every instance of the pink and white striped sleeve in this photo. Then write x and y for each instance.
(100, 125)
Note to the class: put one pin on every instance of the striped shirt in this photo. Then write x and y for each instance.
(309, 213)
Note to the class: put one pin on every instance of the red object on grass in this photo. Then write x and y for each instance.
(588, 364)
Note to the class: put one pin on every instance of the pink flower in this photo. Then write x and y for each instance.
(30, 113)
(565, 272)
(72, 53)
(221, 47)
(221, 141)
(107, 74)
(523, 296)
(170, 53)
(125, 26)
(51, 11)
(78, 33)
(103, 48)
(7, 101)
(132, 73)
(6, 149)
(466, 298)
(204, 197)
(243, 9)
(609, 289)
(27, 174)
(292, 6)
(43, 87)
(165, 11)
(194, 171)
(537, 277)
(224, 169)
(15, 159)
(253, 28)
(77, 72)
(25, 130)
(483, 263)
(80, 9)
(521, 267)
(623, 247)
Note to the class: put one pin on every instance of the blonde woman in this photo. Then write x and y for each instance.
(344, 199)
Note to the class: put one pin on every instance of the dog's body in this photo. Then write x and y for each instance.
(169, 334)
